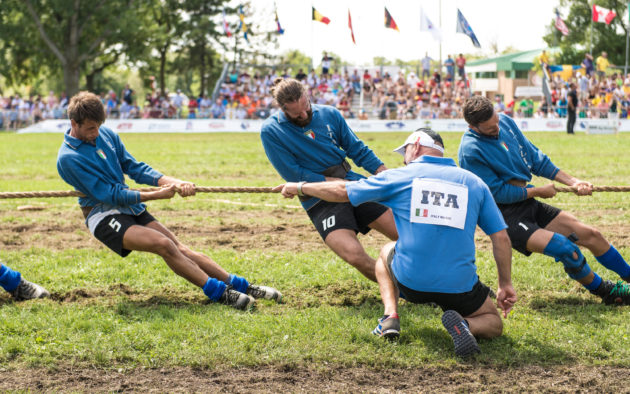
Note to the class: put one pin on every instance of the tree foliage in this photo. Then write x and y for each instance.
(74, 42)
(610, 38)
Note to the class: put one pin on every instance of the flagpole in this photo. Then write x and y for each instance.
(312, 41)
(625, 68)
(440, 69)
(590, 39)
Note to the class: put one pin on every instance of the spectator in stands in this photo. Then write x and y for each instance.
(326, 62)
(178, 103)
(602, 65)
(587, 63)
(426, 66)
(449, 63)
(300, 76)
(461, 66)
(218, 109)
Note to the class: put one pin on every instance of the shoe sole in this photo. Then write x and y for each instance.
(465, 343)
(391, 335)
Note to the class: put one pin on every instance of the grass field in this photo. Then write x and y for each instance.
(131, 324)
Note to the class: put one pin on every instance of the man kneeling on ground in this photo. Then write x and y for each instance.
(437, 207)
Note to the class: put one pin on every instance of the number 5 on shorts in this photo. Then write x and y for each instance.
(115, 224)
(328, 222)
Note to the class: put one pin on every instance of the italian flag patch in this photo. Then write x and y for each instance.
(504, 145)
(101, 154)
(310, 134)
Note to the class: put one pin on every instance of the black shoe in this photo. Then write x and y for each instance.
(465, 342)
(236, 299)
(614, 293)
(28, 291)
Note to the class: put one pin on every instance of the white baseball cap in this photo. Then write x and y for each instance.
(419, 137)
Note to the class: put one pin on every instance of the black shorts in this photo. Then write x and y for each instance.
(463, 303)
(112, 228)
(331, 216)
(525, 217)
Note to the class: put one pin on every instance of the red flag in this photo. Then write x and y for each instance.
(350, 26)
(389, 21)
(603, 15)
(560, 25)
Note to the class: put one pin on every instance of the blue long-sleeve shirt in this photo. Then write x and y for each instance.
(303, 153)
(98, 172)
(508, 156)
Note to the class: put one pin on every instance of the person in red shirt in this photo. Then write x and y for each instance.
(461, 64)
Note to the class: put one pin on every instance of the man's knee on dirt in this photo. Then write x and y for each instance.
(564, 250)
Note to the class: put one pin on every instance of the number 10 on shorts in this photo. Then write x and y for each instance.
(328, 222)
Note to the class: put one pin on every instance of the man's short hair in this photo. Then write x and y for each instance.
(433, 134)
(287, 90)
(86, 105)
(478, 109)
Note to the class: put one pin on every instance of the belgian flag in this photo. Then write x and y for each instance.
(319, 17)
(389, 21)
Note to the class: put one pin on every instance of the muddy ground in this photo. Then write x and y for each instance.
(280, 230)
(279, 379)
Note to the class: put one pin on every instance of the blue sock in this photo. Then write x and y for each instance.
(597, 280)
(615, 262)
(214, 288)
(9, 279)
(239, 283)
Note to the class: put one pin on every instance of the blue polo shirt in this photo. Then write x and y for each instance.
(303, 153)
(497, 160)
(98, 172)
(433, 257)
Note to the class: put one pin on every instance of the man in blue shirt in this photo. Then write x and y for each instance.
(495, 149)
(437, 207)
(449, 63)
(310, 143)
(94, 160)
(18, 287)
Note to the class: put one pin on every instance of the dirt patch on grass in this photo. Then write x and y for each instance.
(277, 230)
(274, 379)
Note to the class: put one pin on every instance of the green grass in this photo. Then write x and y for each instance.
(110, 311)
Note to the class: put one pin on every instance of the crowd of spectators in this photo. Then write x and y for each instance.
(600, 94)
(387, 94)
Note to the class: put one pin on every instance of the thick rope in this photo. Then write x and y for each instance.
(566, 189)
(231, 189)
(74, 193)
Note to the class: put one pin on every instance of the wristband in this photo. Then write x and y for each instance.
(299, 188)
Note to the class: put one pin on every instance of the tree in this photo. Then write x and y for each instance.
(609, 38)
(63, 36)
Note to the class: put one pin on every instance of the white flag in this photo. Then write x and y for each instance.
(427, 25)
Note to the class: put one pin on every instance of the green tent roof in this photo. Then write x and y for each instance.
(512, 61)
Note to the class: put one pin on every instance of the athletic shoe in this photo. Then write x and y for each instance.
(388, 327)
(236, 299)
(28, 291)
(264, 292)
(465, 342)
(614, 293)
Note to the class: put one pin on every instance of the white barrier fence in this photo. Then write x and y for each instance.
(593, 126)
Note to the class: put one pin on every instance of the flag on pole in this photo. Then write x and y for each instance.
(427, 25)
(279, 30)
(603, 15)
(319, 17)
(242, 27)
(226, 27)
(464, 27)
(389, 21)
(350, 27)
(560, 25)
